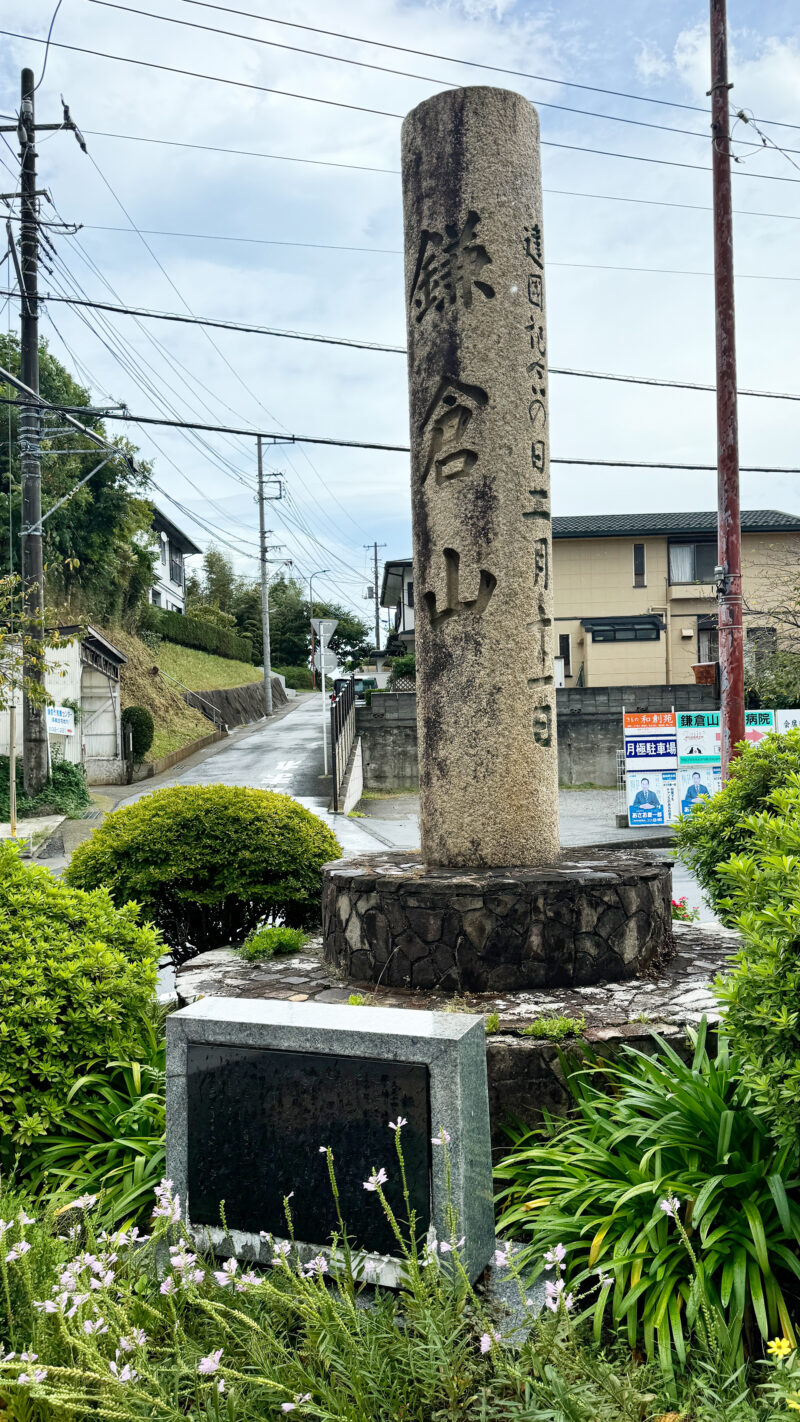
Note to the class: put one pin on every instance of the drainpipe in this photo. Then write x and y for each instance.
(667, 611)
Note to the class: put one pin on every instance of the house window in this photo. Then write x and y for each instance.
(156, 598)
(639, 578)
(692, 562)
(163, 546)
(707, 639)
(410, 594)
(565, 651)
(176, 567)
(625, 632)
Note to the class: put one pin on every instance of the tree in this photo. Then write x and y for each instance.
(219, 580)
(99, 546)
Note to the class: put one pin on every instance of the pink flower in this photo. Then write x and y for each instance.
(318, 1266)
(443, 1138)
(670, 1206)
(39, 1375)
(398, 1124)
(555, 1256)
(502, 1257)
(83, 1202)
(282, 1250)
(124, 1374)
(137, 1339)
(447, 1248)
(224, 1276)
(46, 1306)
(487, 1339)
(290, 1406)
(211, 1363)
(168, 1286)
(323, 1150)
(377, 1178)
(18, 1251)
(220, 1384)
(97, 1325)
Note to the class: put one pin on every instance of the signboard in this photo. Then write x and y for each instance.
(787, 720)
(698, 737)
(60, 721)
(652, 797)
(324, 628)
(757, 725)
(326, 659)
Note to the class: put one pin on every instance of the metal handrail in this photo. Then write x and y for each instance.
(343, 730)
(216, 714)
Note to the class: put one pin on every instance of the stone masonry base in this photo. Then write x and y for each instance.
(390, 919)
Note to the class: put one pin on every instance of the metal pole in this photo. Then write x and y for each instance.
(34, 721)
(729, 533)
(262, 534)
(324, 717)
(377, 605)
(311, 620)
(12, 762)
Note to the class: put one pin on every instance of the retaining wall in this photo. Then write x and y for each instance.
(589, 731)
(239, 704)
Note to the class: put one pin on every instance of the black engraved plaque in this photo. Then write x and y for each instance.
(258, 1117)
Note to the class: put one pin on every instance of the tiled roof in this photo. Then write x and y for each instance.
(650, 525)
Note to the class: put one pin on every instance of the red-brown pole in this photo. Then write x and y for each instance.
(729, 532)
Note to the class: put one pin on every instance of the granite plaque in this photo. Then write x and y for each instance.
(257, 1119)
(255, 1088)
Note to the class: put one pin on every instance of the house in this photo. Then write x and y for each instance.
(397, 593)
(635, 594)
(169, 589)
(82, 677)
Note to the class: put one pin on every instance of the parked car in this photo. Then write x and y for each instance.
(363, 684)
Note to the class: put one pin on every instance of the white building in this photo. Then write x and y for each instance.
(84, 673)
(397, 593)
(169, 589)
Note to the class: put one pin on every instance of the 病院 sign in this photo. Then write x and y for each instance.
(60, 721)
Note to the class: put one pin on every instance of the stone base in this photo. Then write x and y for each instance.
(389, 919)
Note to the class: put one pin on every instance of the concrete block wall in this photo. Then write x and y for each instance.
(589, 731)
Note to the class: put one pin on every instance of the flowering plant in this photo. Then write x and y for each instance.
(681, 913)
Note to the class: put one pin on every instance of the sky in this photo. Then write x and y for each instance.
(309, 239)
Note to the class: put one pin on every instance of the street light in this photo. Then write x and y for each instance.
(318, 573)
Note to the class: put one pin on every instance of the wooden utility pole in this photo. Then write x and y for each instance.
(34, 716)
(729, 532)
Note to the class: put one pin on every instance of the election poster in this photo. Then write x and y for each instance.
(698, 782)
(652, 797)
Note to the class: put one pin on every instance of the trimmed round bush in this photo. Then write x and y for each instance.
(210, 863)
(718, 828)
(76, 975)
(143, 728)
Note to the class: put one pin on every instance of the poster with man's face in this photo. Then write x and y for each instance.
(698, 784)
(652, 798)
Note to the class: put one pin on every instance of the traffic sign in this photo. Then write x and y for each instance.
(325, 658)
(324, 628)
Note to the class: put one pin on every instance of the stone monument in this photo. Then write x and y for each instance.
(255, 1088)
(480, 480)
(490, 902)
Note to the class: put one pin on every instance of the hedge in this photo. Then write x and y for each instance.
(189, 632)
(76, 974)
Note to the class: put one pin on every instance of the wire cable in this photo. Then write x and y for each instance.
(364, 109)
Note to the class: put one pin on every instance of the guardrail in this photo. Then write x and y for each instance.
(343, 730)
(206, 708)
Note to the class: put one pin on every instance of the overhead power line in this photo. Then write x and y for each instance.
(403, 73)
(364, 109)
(280, 437)
(375, 346)
(470, 63)
(395, 172)
(396, 252)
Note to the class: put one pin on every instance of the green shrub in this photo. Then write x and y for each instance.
(142, 726)
(762, 996)
(110, 1136)
(65, 793)
(554, 1029)
(645, 1131)
(715, 829)
(266, 942)
(296, 678)
(190, 632)
(210, 863)
(75, 975)
(405, 666)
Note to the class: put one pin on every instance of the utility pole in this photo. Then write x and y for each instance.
(34, 716)
(318, 572)
(729, 532)
(376, 595)
(264, 559)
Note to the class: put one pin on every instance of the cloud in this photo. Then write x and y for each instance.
(651, 62)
